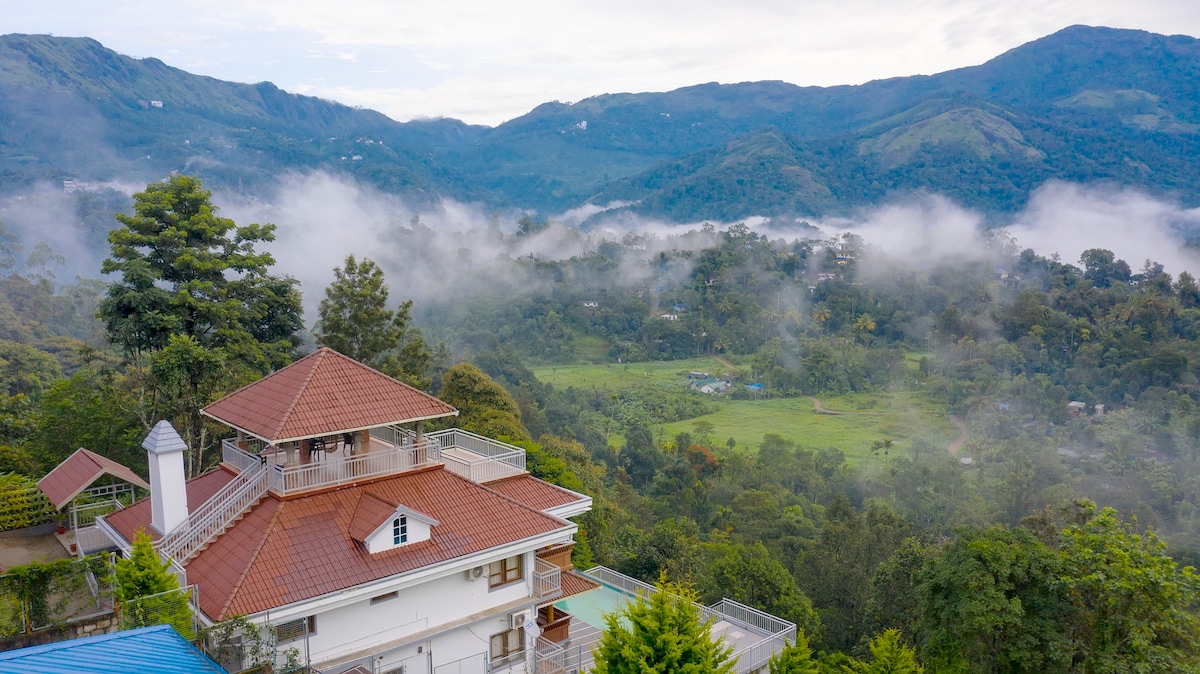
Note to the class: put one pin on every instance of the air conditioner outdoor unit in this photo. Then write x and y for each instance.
(473, 574)
(519, 618)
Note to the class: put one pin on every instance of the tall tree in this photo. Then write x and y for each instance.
(193, 281)
(483, 405)
(355, 321)
(186, 271)
(661, 634)
(1135, 605)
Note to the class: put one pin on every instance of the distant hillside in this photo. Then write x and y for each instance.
(1083, 104)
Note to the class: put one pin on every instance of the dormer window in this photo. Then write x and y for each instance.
(400, 530)
(382, 525)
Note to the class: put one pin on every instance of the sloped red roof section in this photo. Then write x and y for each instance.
(533, 492)
(199, 489)
(78, 472)
(322, 394)
(288, 550)
(370, 513)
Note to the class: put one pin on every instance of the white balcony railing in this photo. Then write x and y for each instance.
(214, 515)
(549, 657)
(547, 579)
(393, 450)
(477, 458)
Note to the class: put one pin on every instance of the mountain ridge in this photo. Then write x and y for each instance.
(1084, 104)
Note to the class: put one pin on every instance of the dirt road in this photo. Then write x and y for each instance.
(963, 432)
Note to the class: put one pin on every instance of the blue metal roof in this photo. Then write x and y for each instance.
(148, 650)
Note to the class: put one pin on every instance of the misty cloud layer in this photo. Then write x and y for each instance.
(460, 250)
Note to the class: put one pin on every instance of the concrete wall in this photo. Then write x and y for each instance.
(446, 609)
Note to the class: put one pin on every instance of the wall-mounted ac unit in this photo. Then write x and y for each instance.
(473, 574)
(519, 618)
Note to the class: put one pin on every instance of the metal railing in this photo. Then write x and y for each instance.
(341, 470)
(214, 515)
(467, 454)
(775, 632)
(547, 579)
(549, 657)
(485, 459)
(238, 457)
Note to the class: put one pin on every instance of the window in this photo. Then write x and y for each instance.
(295, 629)
(504, 571)
(384, 597)
(507, 645)
(399, 530)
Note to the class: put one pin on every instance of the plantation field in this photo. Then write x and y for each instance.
(899, 416)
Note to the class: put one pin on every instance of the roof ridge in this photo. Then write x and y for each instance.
(319, 357)
(266, 535)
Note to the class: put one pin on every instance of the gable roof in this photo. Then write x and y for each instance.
(148, 650)
(78, 472)
(289, 550)
(322, 394)
(374, 512)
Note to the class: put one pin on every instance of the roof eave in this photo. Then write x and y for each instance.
(318, 435)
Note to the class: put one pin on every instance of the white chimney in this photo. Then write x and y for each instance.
(168, 491)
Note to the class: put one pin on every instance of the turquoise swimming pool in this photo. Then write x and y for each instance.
(591, 606)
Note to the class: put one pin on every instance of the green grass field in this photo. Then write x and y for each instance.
(617, 375)
(901, 417)
(898, 416)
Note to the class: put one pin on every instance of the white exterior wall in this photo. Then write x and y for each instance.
(440, 607)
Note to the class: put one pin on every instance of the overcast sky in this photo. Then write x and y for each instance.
(486, 62)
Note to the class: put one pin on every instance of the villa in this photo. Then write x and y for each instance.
(371, 544)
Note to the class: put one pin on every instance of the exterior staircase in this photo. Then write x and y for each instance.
(215, 516)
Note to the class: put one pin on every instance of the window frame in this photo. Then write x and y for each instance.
(507, 655)
(502, 572)
(309, 629)
(400, 530)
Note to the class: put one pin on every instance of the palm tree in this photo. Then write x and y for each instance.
(820, 314)
(863, 324)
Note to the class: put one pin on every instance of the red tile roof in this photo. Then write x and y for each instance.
(368, 515)
(573, 583)
(78, 472)
(199, 489)
(290, 550)
(322, 394)
(533, 492)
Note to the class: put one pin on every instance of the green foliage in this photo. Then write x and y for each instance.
(355, 321)
(748, 574)
(483, 405)
(795, 658)
(46, 591)
(143, 573)
(889, 655)
(1135, 606)
(89, 409)
(661, 633)
(992, 602)
(22, 504)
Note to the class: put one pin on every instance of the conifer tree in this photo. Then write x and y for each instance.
(661, 634)
(795, 658)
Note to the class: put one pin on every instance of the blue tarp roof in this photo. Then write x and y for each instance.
(148, 650)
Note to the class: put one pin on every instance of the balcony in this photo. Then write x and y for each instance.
(391, 450)
(547, 580)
